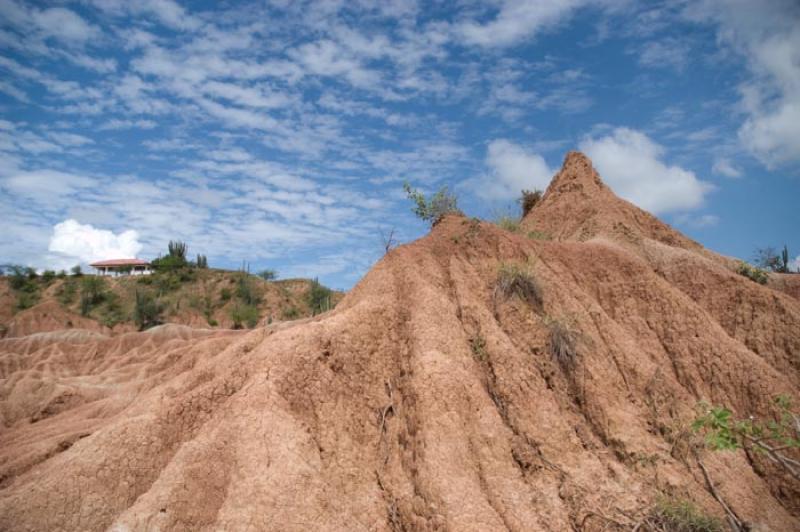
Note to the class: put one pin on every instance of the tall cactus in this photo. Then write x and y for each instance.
(177, 249)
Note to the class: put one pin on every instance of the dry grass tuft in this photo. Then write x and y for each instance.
(563, 343)
(517, 280)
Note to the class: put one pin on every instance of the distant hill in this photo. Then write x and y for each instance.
(197, 297)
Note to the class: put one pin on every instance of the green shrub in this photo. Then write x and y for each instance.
(290, 313)
(92, 293)
(62, 274)
(67, 291)
(244, 314)
(517, 280)
(478, 346)
(48, 276)
(76, 270)
(225, 295)
(268, 275)
(528, 200)
(319, 297)
(26, 300)
(147, 310)
(247, 291)
(771, 438)
(753, 273)
(111, 312)
(212, 322)
(434, 209)
(675, 515)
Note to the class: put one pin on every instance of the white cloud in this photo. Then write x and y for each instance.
(699, 222)
(631, 164)
(72, 241)
(795, 264)
(724, 166)
(767, 34)
(666, 53)
(511, 169)
(64, 25)
(516, 21)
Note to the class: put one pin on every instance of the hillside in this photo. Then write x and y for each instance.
(476, 379)
(197, 297)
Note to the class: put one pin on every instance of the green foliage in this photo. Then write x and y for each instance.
(93, 292)
(319, 298)
(528, 200)
(62, 274)
(111, 313)
(290, 313)
(676, 515)
(147, 310)
(225, 295)
(76, 270)
(751, 272)
(268, 275)
(434, 209)
(772, 437)
(246, 290)
(23, 281)
(67, 291)
(48, 276)
(245, 314)
(478, 346)
(518, 280)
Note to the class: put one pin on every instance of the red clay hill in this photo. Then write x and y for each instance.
(438, 395)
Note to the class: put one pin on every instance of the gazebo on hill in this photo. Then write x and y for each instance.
(122, 267)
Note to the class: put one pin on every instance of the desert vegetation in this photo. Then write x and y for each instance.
(514, 279)
(769, 259)
(753, 273)
(528, 200)
(432, 209)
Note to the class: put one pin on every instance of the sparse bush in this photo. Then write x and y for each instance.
(212, 322)
(507, 222)
(434, 209)
(563, 343)
(539, 235)
(243, 314)
(67, 291)
(147, 310)
(290, 313)
(225, 295)
(478, 346)
(111, 312)
(674, 515)
(62, 274)
(770, 438)
(48, 276)
(528, 200)
(268, 275)
(753, 273)
(76, 270)
(319, 297)
(517, 280)
(247, 291)
(23, 281)
(26, 300)
(92, 293)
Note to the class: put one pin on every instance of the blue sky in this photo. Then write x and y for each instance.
(280, 132)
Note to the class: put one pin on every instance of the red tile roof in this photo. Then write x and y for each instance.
(120, 262)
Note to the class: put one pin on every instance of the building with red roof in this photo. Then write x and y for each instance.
(122, 267)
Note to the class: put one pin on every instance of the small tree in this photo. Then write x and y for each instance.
(147, 310)
(268, 274)
(769, 259)
(243, 314)
(76, 270)
(320, 297)
(434, 209)
(92, 293)
(528, 200)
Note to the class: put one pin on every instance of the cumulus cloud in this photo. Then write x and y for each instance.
(511, 168)
(632, 165)
(767, 34)
(75, 242)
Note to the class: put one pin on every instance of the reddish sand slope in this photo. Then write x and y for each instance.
(423, 401)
